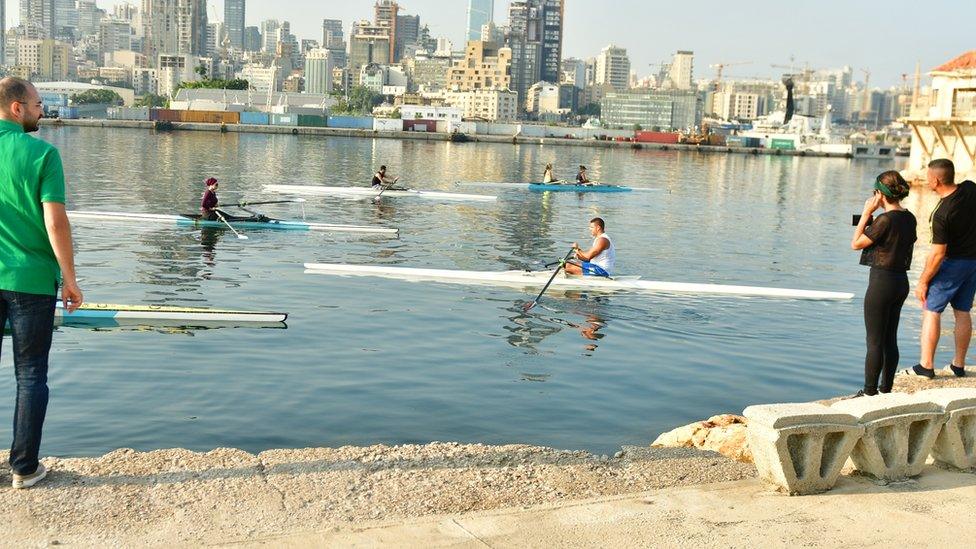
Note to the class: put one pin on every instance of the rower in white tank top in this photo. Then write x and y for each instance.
(600, 260)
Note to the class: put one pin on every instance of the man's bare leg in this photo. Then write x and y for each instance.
(931, 327)
(964, 335)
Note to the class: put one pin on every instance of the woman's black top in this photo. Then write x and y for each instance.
(894, 235)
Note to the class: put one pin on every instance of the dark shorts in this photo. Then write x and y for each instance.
(589, 269)
(954, 284)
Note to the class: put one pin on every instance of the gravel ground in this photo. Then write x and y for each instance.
(180, 497)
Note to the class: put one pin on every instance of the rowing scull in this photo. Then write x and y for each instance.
(558, 187)
(530, 279)
(101, 311)
(181, 220)
(315, 190)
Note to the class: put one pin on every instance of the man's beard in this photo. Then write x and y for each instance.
(31, 125)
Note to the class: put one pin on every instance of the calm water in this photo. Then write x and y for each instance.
(366, 361)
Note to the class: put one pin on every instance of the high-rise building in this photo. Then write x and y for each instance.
(574, 72)
(480, 13)
(407, 35)
(369, 43)
(535, 36)
(682, 70)
(215, 37)
(125, 12)
(89, 17)
(38, 14)
(65, 19)
(318, 71)
(252, 39)
(334, 40)
(386, 12)
(3, 32)
(269, 35)
(113, 35)
(234, 11)
(613, 68)
(174, 27)
(485, 66)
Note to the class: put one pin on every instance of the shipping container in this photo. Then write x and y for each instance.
(312, 121)
(284, 120)
(255, 118)
(387, 124)
(212, 117)
(128, 113)
(739, 141)
(420, 125)
(782, 144)
(655, 137)
(166, 115)
(716, 139)
(68, 113)
(351, 122)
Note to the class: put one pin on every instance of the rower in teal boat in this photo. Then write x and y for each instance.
(581, 177)
(547, 177)
(600, 259)
(209, 202)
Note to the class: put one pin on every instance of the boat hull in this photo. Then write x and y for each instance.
(184, 221)
(530, 279)
(313, 190)
(102, 311)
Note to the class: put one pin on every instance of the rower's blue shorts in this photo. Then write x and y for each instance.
(954, 284)
(589, 269)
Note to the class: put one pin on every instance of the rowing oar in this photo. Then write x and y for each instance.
(562, 264)
(224, 219)
(384, 189)
(292, 201)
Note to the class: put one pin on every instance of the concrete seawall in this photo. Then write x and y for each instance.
(422, 136)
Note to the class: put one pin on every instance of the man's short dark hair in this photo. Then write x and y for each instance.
(945, 170)
(599, 223)
(13, 89)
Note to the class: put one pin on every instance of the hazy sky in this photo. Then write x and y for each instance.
(885, 36)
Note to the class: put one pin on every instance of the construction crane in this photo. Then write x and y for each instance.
(720, 67)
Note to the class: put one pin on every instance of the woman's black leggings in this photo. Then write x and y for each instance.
(887, 291)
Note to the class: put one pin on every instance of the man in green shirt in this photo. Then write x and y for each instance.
(36, 253)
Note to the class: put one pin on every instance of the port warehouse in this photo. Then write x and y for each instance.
(369, 123)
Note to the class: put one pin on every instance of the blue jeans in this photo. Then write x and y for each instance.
(31, 327)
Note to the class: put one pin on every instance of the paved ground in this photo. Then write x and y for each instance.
(934, 511)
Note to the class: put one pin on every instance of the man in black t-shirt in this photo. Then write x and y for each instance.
(950, 271)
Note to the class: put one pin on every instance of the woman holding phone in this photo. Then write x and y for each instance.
(887, 242)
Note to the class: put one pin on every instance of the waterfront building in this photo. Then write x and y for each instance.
(429, 112)
(74, 88)
(665, 110)
(263, 78)
(369, 43)
(429, 73)
(542, 98)
(485, 65)
(234, 17)
(535, 37)
(252, 39)
(251, 100)
(491, 105)
(942, 120)
(682, 69)
(613, 68)
(480, 13)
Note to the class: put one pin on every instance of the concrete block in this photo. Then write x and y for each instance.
(899, 432)
(956, 444)
(801, 448)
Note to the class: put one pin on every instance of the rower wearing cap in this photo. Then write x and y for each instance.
(380, 179)
(208, 205)
(581, 177)
(598, 260)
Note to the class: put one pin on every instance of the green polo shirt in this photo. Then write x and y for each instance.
(30, 174)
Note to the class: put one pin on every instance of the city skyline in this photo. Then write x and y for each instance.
(735, 37)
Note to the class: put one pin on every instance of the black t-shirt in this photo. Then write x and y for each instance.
(894, 235)
(954, 222)
(376, 180)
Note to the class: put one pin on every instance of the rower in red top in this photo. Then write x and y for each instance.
(208, 206)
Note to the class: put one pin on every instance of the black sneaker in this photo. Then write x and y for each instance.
(958, 372)
(918, 371)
